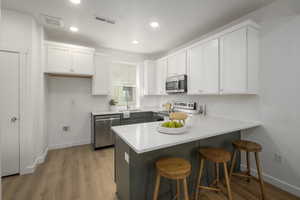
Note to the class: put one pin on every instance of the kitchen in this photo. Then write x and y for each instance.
(90, 75)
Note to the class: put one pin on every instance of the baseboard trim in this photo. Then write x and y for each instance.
(295, 190)
(42, 157)
(38, 160)
(71, 144)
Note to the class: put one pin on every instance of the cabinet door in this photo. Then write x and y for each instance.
(102, 74)
(161, 75)
(83, 62)
(58, 59)
(211, 67)
(149, 78)
(195, 77)
(177, 64)
(204, 68)
(234, 62)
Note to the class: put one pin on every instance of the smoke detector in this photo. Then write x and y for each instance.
(51, 21)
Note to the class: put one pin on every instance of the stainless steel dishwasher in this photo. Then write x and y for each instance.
(102, 136)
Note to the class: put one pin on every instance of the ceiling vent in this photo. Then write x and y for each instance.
(51, 21)
(105, 20)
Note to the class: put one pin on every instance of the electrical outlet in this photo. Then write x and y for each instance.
(65, 128)
(126, 156)
(278, 158)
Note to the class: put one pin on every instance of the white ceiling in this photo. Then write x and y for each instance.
(180, 20)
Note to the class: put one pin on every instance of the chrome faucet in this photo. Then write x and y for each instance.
(202, 110)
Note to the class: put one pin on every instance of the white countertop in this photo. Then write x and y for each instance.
(145, 137)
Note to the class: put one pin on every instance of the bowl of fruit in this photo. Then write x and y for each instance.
(172, 127)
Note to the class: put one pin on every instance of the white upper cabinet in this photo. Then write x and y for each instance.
(203, 68)
(226, 62)
(233, 49)
(177, 64)
(100, 84)
(83, 62)
(161, 76)
(150, 77)
(58, 59)
(239, 62)
(69, 59)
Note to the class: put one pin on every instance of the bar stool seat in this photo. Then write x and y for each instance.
(217, 156)
(175, 169)
(247, 146)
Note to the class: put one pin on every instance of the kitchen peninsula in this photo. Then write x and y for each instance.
(138, 146)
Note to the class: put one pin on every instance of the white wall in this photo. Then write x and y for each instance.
(280, 97)
(69, 103)
(21, 33)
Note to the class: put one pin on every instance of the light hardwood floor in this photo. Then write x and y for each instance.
(80, 173)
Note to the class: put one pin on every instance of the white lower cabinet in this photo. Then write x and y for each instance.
(161, 76)
(203, 68)
(100, 82)
(68, 59)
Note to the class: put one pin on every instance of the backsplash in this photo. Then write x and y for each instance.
(244, 107)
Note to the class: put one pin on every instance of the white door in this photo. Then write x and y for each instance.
(9, 116)
(58, 60)
(233, 53)
(83, 62)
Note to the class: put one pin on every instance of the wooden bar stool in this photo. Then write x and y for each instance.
(248, 147)
(217, 156)
(174, 169)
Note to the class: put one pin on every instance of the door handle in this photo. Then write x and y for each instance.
(13, 119)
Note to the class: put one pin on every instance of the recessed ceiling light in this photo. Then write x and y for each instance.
(135, 42)
(154, 24)
(74, 29)
(75, 1)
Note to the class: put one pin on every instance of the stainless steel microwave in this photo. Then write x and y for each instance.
(176, 84)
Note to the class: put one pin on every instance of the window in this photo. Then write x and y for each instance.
(124, 84)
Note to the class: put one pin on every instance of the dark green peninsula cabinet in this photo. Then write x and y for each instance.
(138, 146)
